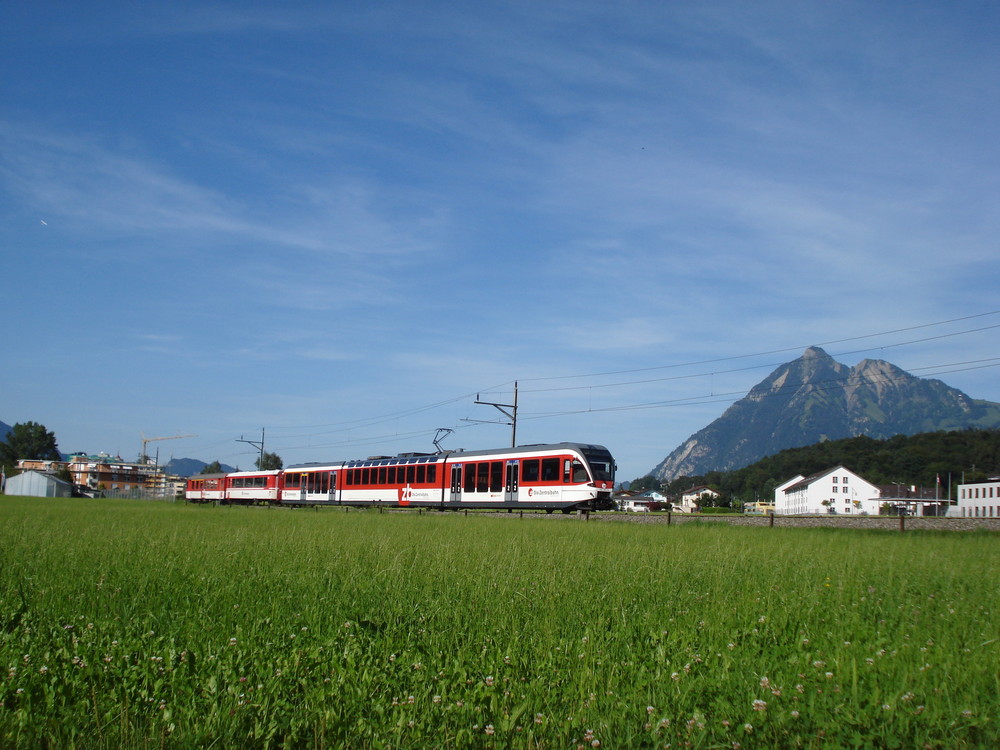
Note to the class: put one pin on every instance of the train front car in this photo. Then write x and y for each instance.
(567, 477)
(559, 476)
(602, 471)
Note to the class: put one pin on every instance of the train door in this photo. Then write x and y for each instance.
(456, 483)
(511, 483)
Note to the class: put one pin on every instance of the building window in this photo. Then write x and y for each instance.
(835, 480)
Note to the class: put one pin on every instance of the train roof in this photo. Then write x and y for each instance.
(425, 458)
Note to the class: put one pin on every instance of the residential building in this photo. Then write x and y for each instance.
(758, 507)
(977, 500)
(643, 502)
(695, 498)
(837, 490)
(108, 475)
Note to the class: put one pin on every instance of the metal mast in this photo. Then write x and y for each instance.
(503, 409)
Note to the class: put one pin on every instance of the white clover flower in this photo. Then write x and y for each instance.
(759, 705)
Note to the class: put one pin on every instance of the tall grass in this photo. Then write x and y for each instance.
(127, 624)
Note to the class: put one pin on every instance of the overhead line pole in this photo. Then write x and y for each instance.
(255, 444)
(502, 408)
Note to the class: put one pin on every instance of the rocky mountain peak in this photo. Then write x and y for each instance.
(814, 398)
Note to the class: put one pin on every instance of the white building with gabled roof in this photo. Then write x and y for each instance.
(838, 490)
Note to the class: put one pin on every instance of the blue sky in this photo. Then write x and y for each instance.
(340, 222)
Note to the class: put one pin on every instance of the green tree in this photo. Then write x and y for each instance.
(213, 468)
(269, 461)
(28, 440)
(642, 484)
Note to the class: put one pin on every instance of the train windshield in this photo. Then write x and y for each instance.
(602, 465)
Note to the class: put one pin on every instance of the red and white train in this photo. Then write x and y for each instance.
(558, 476)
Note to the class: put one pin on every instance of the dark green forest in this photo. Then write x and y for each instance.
(965, 455)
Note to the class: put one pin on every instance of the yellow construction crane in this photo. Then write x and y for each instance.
(143, 458)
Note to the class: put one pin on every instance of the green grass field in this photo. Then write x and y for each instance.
(132, 624)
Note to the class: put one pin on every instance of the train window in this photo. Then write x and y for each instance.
(529, 470)
(470, 478)
(381, 475)
(333, 480)
(496, 476)
(421, 474)
(483, 477)
(390, 475)
(366, 476)
(550, 469)
(580, 472)
(411, 474)
(432, 473)
(292, 480)
(566, 474)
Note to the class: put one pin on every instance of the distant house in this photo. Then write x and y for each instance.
(838, 490)
(37, 484)
(643, 502)
(977, 500)
(634, 504)
(758, 507)
(694, 498)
